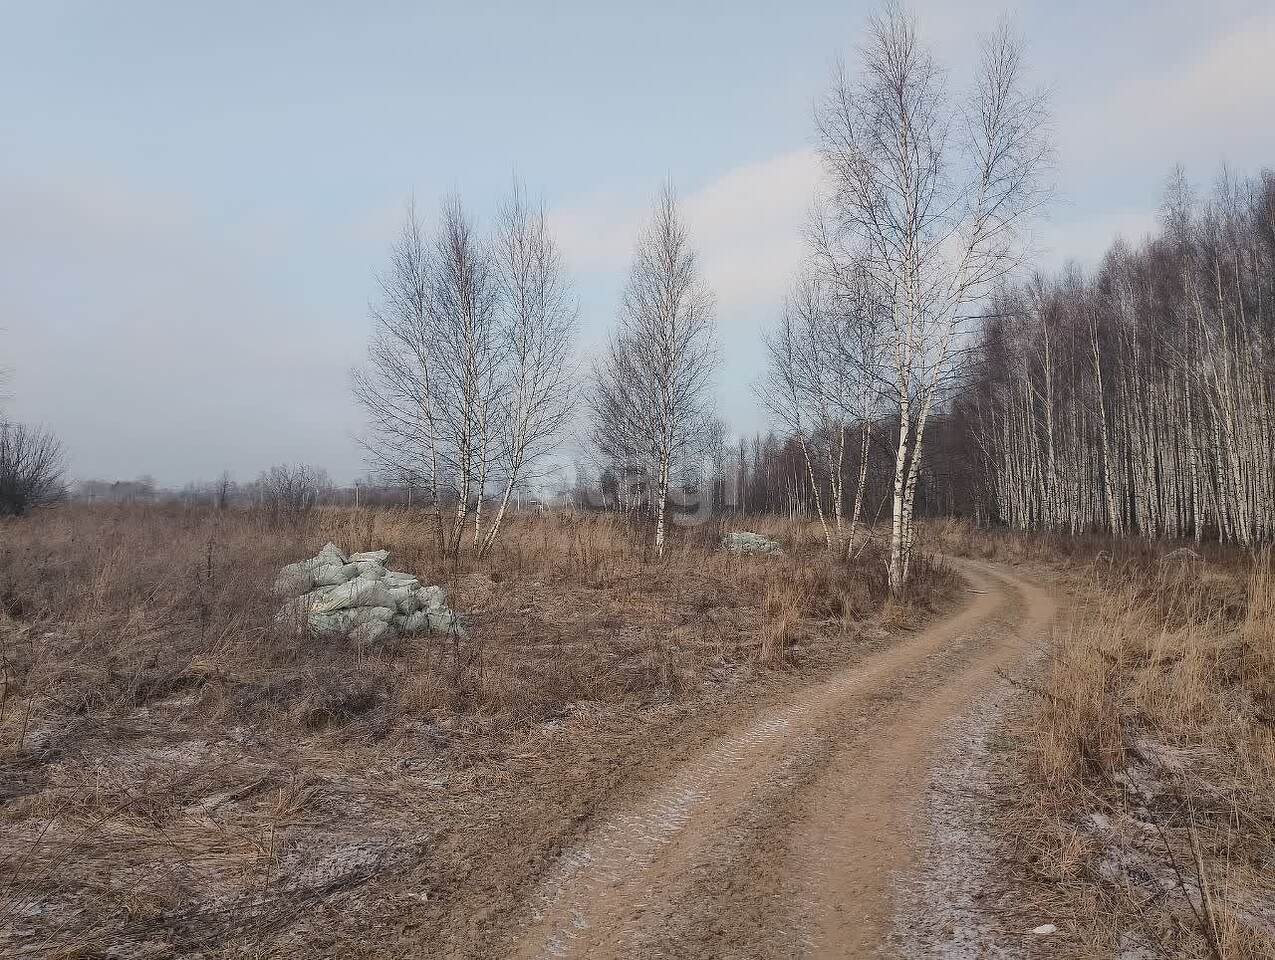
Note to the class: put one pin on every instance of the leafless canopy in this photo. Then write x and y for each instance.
(819, 383)
(396, 388)
(650, 411)
(32, 467)
(928, 194)
(468, 383)
(287, 493)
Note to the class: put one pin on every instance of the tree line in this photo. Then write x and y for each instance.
(1135, 400)
(1138, 400)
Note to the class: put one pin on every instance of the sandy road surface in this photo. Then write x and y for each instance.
(782, 838)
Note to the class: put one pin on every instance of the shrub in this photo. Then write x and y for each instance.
(32, 465)
(289, 493)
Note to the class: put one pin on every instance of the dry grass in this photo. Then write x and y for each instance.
(1145, 815)
(178, 774)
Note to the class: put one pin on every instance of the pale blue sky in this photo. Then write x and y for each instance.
(193, 198)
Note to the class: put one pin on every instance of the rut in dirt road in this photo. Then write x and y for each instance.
(782, 839)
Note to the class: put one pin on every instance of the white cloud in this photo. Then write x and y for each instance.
(597, 231)
(1215, 107)
(748, 224)
(745, 224)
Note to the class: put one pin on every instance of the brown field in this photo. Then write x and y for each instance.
(179, 775)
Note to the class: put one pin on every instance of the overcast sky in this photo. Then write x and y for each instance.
(194, 197)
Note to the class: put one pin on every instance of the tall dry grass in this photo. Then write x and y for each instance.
(174, 766)
(959, 537)
(107, 609)
(1150, 809)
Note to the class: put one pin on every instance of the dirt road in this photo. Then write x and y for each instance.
(783, 838)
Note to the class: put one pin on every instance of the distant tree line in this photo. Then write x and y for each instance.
(1139, 400)
(769, 474)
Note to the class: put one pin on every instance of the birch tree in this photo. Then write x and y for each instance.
(819, 387)
(930, 192)
(651, 404)
(467, 348)
(1138, 401)
(537, 321)
(398, 388)
(468, 380)
(795, 390)
(854, 334)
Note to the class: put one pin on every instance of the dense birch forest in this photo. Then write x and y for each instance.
(1138, 400)
(1134, 400)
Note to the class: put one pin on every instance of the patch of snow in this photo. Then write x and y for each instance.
(945, 913)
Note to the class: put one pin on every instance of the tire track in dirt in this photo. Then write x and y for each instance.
(781, 839)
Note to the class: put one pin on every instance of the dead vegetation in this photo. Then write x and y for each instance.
(177, 774)
(1143, 812)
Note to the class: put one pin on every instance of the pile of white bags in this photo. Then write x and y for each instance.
(357, 597)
